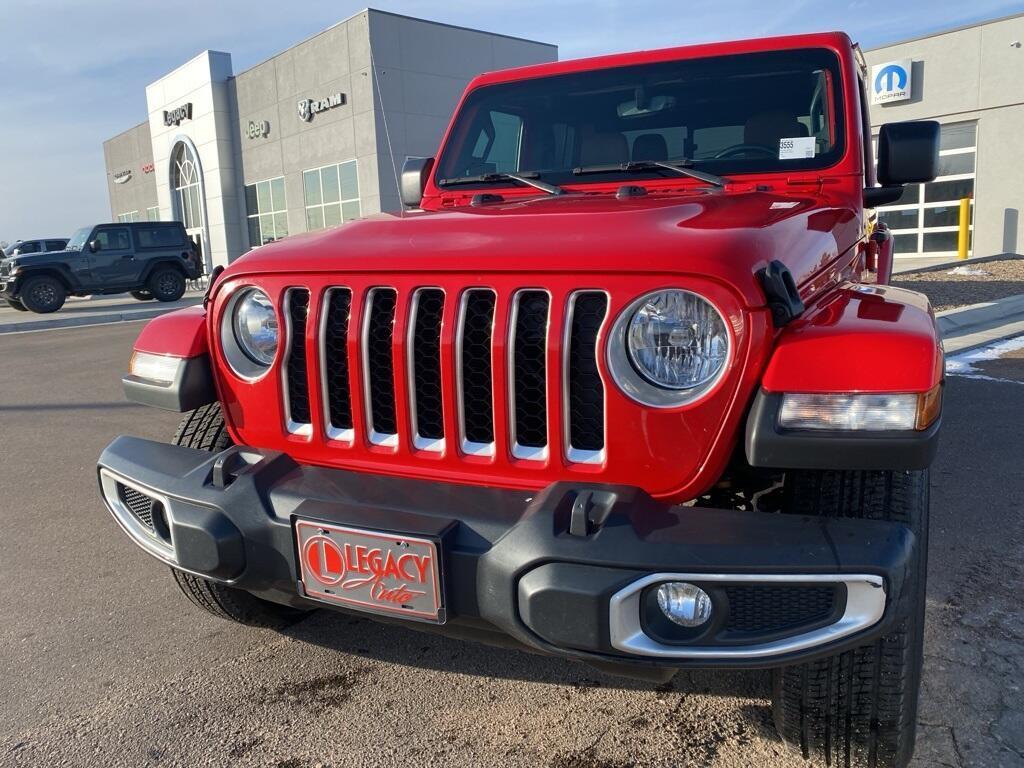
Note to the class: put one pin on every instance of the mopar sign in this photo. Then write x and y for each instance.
(309, 107)
(890, 81)
(123, 177)
(176, 115)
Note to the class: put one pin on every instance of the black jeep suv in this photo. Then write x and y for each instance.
(151, 260)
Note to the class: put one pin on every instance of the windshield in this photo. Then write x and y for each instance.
(7, 251)
(77, 241)
(749, 113)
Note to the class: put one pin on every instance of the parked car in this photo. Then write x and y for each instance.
(620, 393)
(151, 260)
(38, 245)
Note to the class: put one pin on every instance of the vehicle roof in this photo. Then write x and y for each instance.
(834, 40)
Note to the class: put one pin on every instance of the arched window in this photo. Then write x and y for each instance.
(185, 180)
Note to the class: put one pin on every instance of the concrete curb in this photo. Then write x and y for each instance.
(77, 321)
(980, 324)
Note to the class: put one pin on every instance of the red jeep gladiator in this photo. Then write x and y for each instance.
(615, 386)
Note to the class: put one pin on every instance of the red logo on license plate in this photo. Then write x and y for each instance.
(369, 569)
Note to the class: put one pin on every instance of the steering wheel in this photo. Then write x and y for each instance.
(737, 149)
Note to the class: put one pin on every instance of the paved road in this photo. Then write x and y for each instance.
(105, 664)
(91, 311)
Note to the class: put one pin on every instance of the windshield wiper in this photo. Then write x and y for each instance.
(530, 178)
(683, 167)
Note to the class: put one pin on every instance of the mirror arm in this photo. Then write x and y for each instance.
(876, 196)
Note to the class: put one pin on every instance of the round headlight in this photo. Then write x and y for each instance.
(255, 327)
(668, 348)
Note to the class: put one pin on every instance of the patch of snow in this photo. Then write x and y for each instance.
(968, 272)
(963, 364)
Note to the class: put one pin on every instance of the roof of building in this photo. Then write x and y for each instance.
(949, 31)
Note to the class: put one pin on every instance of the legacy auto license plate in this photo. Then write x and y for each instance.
(370, 570)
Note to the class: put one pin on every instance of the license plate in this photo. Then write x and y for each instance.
(370, 570)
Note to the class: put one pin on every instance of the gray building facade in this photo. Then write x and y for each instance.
(971, 80)
(308, 139)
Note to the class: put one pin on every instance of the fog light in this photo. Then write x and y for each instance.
(684, 604)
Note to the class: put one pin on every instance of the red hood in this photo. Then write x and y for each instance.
(719, 234)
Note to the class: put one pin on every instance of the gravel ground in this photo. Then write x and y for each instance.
(1003, 277)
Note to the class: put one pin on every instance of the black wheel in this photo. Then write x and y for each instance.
(166, 284)
(15, 304)
(42, 294)
(142, 295)
(204, 429)
(859, 708)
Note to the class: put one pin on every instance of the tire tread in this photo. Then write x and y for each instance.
(859, 708)
(204, 429)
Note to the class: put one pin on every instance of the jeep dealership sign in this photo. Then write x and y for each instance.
(176, 115)
(257, 129)
(310, 107)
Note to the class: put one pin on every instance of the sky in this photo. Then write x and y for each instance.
(73, 73)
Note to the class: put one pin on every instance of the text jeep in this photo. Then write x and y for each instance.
(617, 391)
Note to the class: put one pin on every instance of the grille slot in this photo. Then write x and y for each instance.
(585, 395)
(475, 382)
(139, 504)
(378, 340)
(529, 374)
(764, 609)
(335, 363)
(295, 372)
(425, 371)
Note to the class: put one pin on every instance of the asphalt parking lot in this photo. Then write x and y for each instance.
(105, 663)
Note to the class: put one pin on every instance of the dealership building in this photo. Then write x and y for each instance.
(314, 136)
(305, 140)
(971, 80)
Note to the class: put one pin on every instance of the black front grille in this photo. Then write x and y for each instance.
(339, 395)
(380, 336)
(763, 609)
(586, 390)
(477, 412)
(139, 504)
(298, 384)
(427, 364)
(530, 369)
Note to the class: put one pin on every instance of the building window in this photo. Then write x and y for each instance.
(186, 187)
(153, 213)
(127, 218)
(266, 211)
(332, 195)
(926, 218)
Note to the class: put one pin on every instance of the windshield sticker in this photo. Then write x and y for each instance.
(796, 148)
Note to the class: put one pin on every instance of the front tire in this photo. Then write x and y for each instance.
(204, 429)
(15, 304)
(42, 294)
(166, 284)
(859, 708)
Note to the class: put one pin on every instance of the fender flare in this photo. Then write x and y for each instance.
(865, 339)
(155, 263)
(54, 269)
(180, 334)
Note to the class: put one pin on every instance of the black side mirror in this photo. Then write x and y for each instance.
(414, 180)
(908, 153)
(94, 245)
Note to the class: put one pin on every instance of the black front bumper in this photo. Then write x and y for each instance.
(553, 570)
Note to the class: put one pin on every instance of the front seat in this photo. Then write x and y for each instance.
(650, 146)
(766, 129)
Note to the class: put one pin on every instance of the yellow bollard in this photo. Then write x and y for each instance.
(965, 228)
